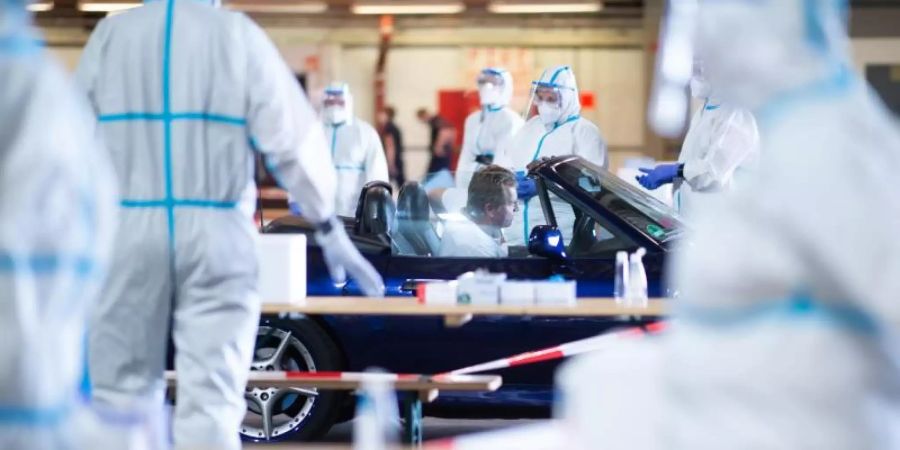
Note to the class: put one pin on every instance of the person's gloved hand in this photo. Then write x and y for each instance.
(525, 188)
(343, 258)
(657, 176)
(294, 207)
(485, 159)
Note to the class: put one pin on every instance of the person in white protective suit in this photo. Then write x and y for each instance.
(184, 92)
(355, 148)
(57, 216)
(557, 129)
(784, 336)
(721, 141)
(489, 129)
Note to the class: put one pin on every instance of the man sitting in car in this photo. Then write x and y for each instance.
(491, 205)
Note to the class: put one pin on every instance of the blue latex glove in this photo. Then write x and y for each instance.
(657, 176)
(295, 208)
(526, 187)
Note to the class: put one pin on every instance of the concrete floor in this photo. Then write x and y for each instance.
(435, 428)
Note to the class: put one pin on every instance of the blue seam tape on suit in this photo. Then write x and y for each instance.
(47, 263)
(796, 308)
(45, 417)
(167, 123)
(537, 153)
(147, 116)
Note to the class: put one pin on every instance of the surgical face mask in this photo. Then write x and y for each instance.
(550, 113)
(335, 114)
(489, 95)
(700, 88)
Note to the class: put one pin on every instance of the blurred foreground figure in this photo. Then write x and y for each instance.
(784, 335)
(184, 92)
(721, 140)
(57, 217)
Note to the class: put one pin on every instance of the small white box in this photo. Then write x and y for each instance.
(437, 293)
(479, 288)
(517, 293)
(556, 293)
(282, 268)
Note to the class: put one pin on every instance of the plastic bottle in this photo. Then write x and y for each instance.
(377, 416)
(620, 291)
(637, 280)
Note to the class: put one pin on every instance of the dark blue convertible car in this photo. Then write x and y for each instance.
(400, 239)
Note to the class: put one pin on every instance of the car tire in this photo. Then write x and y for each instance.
(302, 416)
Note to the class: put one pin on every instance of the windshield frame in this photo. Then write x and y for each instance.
(652, 209)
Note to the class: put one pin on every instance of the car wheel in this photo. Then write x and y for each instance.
(301, 413)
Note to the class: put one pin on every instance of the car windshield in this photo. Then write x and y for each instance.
(594, 181)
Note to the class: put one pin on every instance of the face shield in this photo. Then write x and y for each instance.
(491, 85)
(699, 85)
(669, 103)
(335, 106)
(547, 101)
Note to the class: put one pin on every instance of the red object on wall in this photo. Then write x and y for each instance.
(453, 107)
(588, 100)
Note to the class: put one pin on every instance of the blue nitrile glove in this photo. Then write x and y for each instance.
(295, 208)
(658, 176)
(526, 188)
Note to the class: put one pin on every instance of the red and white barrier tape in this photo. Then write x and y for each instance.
(561, 351)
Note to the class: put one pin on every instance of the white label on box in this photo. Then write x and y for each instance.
(517, 293)
(440, 293)
(555, 293)
(282, 268)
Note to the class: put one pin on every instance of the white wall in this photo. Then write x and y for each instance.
(876, 51)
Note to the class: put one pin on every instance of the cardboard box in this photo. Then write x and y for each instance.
(282, 268)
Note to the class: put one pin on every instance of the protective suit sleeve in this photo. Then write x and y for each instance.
(733, 141)
(87, 72)
(376, 162)
(466, 164)
(589, 143)
(285, 129)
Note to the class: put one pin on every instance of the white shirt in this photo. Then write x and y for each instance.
(464, 238)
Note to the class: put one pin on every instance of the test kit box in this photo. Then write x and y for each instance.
(555, 293)
(282, 268)
(517, 293)
(436, 293)
(479, 288)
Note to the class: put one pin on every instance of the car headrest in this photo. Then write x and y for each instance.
(376, 215)
(362, 195)
(412, 203)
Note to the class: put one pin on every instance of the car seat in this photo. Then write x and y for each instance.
(415, 234)
(375, 211)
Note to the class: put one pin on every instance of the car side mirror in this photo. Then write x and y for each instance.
(547, 241)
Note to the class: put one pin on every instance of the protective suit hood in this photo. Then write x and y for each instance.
(785, 45)
(562, 78)
(506, 92)
(342, 89)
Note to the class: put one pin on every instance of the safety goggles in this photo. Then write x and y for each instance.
(334, 98)
(548, 93)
